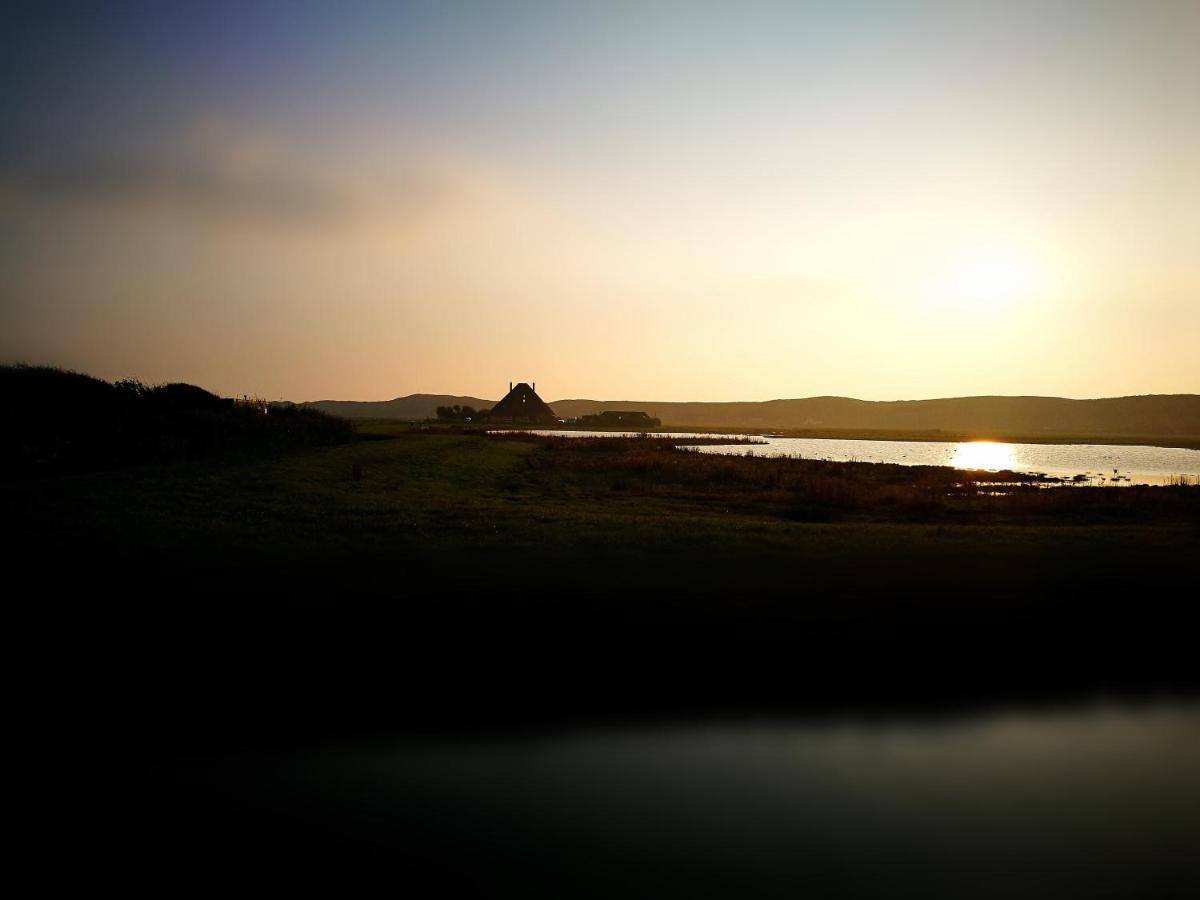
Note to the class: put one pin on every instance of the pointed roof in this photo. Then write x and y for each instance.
(522, 404)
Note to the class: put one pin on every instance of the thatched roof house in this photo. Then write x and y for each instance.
(522, 406)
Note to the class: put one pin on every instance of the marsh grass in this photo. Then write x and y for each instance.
(812, 489)
(424, 548)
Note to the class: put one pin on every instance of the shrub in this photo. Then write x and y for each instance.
(59, 420)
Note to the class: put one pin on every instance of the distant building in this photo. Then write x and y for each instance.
(620, 420)
(522, 406)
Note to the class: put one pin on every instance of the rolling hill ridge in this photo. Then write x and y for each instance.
(1165, 414)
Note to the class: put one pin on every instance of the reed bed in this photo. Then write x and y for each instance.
(820, 490)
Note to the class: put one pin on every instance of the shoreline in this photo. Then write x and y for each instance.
(1177, 442)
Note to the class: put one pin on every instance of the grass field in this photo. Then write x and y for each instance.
(614, 566)
(433, 583)
(404, 495)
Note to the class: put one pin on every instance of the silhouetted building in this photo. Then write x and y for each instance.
(522, 406)
(620, 420)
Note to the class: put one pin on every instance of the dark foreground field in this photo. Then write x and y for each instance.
(455, 587)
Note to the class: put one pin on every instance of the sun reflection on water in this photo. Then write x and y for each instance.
(989, 455)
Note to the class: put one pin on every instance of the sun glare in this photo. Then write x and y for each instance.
(988, 280)
(987, 455)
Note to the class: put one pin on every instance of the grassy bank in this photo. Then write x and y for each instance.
(416, 583)
(418, 576)
(655, 470)
(428, 491)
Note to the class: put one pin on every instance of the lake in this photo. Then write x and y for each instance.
(1099, 463)
(1094, 801)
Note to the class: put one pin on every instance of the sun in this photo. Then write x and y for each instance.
(988, 455)
(988, 280)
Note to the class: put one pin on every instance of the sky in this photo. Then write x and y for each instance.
(667, 201)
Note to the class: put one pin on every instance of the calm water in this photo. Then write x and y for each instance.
(1101, 463)
(1092, 802)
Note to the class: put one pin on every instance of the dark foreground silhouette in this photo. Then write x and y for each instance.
(60, 422)
(213, 640)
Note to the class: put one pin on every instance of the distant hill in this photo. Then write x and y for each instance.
(1149, 414)
(1161, 414)
(414, 406)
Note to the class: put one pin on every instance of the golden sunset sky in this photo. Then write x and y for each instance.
(672, 201)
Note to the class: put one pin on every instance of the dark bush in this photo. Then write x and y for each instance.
(66, 421)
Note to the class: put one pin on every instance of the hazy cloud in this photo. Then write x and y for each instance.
(213, 171)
